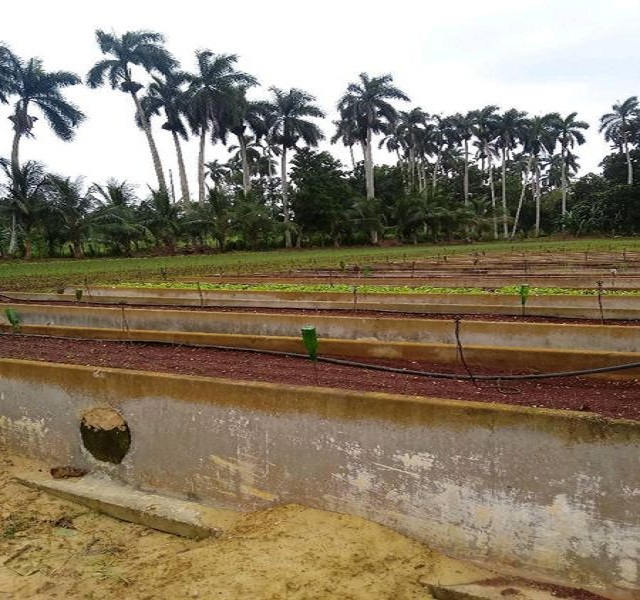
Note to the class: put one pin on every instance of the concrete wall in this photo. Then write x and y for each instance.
(595, 338)
(545, 493)
(579, 307)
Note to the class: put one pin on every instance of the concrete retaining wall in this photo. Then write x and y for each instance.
(596, 338)
(578, 307)
(545, 493)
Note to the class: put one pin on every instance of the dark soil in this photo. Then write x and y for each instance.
(614, 399)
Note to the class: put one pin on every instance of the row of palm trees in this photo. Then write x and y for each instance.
(212, 103)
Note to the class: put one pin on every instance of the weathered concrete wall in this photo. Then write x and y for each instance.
(547, 493)
(607, 338)
(578, 307)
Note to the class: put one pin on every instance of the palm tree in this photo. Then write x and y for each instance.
(347, 132)
(464, 127)
(26, 195)
(161, 217)
(569, 134)
(115, 216)
(617, 126)
(212, 90)
(134, 48)
(73, 206)
(33, 86)
(245, 115)
(8, 62)
(509, 127)
(539, 139)
(409, 130)
(366, 103)
(165, 94)
(290, 124)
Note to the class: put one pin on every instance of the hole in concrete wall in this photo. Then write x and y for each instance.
(105, 434)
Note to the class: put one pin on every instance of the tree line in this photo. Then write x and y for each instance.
(489, 173)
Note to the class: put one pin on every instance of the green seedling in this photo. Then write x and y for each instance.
(310, 340)
(13, 318)
(366, 272)
(78, 295)
(524, 295)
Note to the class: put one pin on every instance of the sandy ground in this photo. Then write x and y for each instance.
(50, 548)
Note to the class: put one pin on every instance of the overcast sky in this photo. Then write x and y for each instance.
(449, 56)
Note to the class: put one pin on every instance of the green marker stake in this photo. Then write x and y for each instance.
(524, 294)
(13, 318)
(310, 340)
(78, 295)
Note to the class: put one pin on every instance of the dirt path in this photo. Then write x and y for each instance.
(51, 548)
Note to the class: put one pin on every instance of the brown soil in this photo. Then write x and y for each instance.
(615, 399)
(50, 548)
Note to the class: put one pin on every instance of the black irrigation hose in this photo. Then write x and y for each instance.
(361, 365)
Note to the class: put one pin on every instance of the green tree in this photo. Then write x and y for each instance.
(322, 194)
(291, 110)
(166, 95)
(366, 104)
(211, 93)
(569, 132)
(134, 48)
(509, 127)
(69, 202)
(618, 127)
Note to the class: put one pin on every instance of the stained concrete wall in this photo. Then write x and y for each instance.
(579, 307)
(607, 338)
(546, 493)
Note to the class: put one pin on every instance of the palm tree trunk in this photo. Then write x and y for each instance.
(563, 177)
(285, 197)
(368, 168)
(146, 127)
(15, 153)
(434, 179)
(466, 172)
(521, 199)
(246, 172)
(13, 242)
(353, 159)
(505, 227)
(537, 195)
(492, 189)
(184, 185)
(629, 165)
(203, 138)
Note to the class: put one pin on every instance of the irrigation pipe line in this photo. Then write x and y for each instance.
(360, 365)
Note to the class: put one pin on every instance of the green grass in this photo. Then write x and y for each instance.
(46, 275)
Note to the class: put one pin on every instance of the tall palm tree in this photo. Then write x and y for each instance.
(347, 133)
(33, 86)
(409, 131)
(569, 134)
(133, 48)
(291, 110)
(617, 127)
(245, 115)
(366, 103)
(165, 94)
(539, 139)
(212, 90)
(509, 128)
(464, 127)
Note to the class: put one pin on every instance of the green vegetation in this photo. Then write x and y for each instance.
(515, 290)
(43, 275)
(486, 174)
